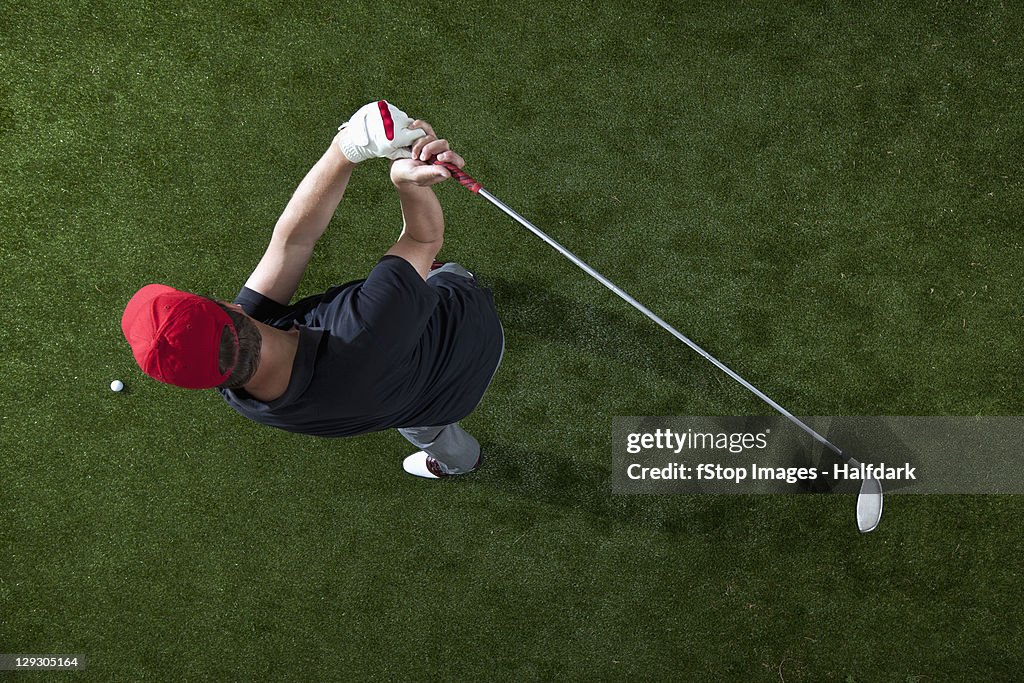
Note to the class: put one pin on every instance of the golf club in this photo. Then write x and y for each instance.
(869, 500)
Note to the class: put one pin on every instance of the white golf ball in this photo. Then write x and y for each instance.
(116, 385)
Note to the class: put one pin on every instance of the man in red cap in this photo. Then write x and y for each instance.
(413, 346)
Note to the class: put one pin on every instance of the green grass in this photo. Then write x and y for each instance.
(825, 195)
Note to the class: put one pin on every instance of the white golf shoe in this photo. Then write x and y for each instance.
(420, 464)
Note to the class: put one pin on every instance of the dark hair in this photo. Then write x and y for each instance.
(249, 343)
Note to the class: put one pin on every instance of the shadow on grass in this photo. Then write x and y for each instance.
(538, 315)
(559, 481)
(535, 312)
(702, 520)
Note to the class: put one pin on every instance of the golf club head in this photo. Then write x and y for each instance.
(869, 505)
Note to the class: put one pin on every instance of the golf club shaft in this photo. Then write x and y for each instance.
(472, 185)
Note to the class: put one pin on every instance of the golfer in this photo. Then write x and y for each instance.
(413, 346)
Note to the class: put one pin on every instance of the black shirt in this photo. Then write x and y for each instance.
(387, 351)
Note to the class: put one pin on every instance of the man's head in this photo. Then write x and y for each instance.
(188, 340)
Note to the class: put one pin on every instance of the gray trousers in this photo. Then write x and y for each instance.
(452, 446)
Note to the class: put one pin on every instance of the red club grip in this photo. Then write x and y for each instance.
(464, 178)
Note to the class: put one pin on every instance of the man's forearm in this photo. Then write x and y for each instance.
(421, 213)
(315, 200)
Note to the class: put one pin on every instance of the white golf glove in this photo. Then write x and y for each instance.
(380, 129)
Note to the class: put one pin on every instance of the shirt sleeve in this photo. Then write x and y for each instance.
(394, 304)
(260, 307)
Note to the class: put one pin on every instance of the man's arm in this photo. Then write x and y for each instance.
(304, 220)
(422, 229)
(423, 222)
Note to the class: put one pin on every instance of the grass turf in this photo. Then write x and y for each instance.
(826, 196)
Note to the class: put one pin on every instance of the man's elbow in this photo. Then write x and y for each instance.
(424, 242)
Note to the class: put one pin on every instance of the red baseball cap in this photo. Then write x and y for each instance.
(175, 336)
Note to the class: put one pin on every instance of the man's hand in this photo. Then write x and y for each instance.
(419, 169)
(379, 129)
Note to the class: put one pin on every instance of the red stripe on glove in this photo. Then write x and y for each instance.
(385, 114)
